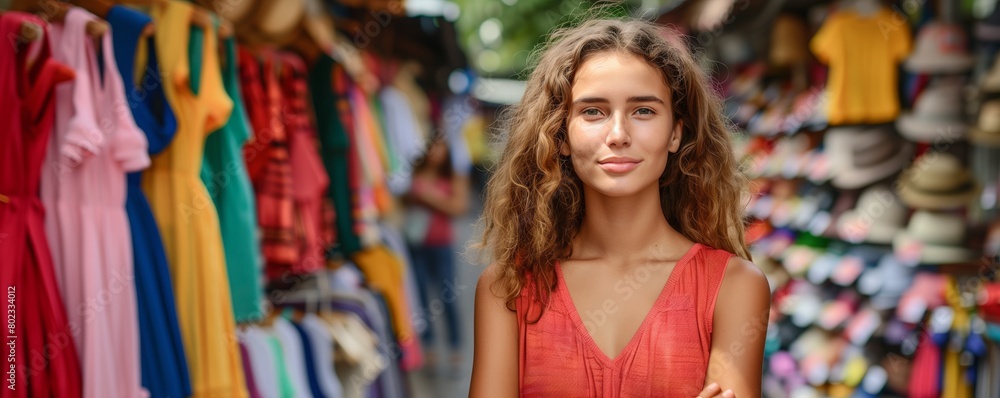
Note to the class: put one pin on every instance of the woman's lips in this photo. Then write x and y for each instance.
(619, 165)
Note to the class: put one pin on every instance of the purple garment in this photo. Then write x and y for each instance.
(248, 373)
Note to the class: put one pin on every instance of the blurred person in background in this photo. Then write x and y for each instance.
(614, 224)
(437, 195)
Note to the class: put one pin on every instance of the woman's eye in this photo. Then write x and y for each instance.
(645, 111)
(591, 112)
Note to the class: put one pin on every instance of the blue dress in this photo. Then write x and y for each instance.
(164, 365)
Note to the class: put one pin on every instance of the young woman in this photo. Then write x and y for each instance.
(615, 226)
(436, 196)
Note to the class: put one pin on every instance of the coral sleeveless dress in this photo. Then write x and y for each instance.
(164, 365)
(94, 143)
(667, 356)
(26, 273)
(188, 221)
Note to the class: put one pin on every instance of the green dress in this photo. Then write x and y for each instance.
(225, 175)
(330, 106)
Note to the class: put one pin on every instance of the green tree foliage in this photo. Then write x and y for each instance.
(525, 24)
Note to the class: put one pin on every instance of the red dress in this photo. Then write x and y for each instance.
(268, 166)
(309, 179)
(45, 360)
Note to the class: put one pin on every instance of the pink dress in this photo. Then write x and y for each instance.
(94, 143)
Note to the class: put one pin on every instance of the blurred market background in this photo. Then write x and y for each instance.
(316, 169)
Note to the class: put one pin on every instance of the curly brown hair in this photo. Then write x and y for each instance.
(534, 200)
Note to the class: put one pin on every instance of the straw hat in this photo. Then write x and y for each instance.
(273, 21)
(789, 41)
(987, 131)
(876, 218)
(937, 114)
(940, 48)
(934, 238)
(937, 181)
(862, 156)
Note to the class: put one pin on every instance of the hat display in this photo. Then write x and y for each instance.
(987, 130)
(272, 21)
(940, 48)
(789, 41)
(937, 114)
(933, 238)
(861, 227)
(937, 181)
(989, 28)
(991, 80)
(235, 11)
(876, 218)
(861, 156)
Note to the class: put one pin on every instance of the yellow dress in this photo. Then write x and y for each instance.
(184, 210)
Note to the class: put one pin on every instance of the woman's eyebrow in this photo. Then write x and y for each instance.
(636, 98)
(591, 100)
(645, 98)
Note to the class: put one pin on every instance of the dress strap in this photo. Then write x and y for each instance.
(127, 26)
(150, 108)
(36, 83)
(712, 271)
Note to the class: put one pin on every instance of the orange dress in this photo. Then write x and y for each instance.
(667, 356)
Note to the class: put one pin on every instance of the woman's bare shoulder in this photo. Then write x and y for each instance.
(743, 286)
(494, 368)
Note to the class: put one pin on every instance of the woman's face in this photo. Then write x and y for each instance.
(620, 124)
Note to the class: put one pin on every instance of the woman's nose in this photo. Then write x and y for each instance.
(618, 136)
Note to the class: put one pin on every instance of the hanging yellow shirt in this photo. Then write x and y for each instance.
(863, 53)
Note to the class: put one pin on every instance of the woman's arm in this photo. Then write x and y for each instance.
(739, 327)
(494, 364)
(453, 205)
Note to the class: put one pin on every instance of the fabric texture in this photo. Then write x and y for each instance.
(925, 377)
(26, 93)
(322, 343)
(248, 372)
(83, 188)
(224, 173)
(185, 213)
(286, 386)
(326, 78)
(309, 356)
(267, 160)
(667, 356)
(863, 53)
(261, 359)
(372, 193)
(384, 273)
(309, 179)
(295, 363)
(403, 134)
(164, 364)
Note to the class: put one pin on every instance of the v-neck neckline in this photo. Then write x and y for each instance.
(143, 109)
(570, 306)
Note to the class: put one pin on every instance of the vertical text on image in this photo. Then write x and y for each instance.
(11, 338)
